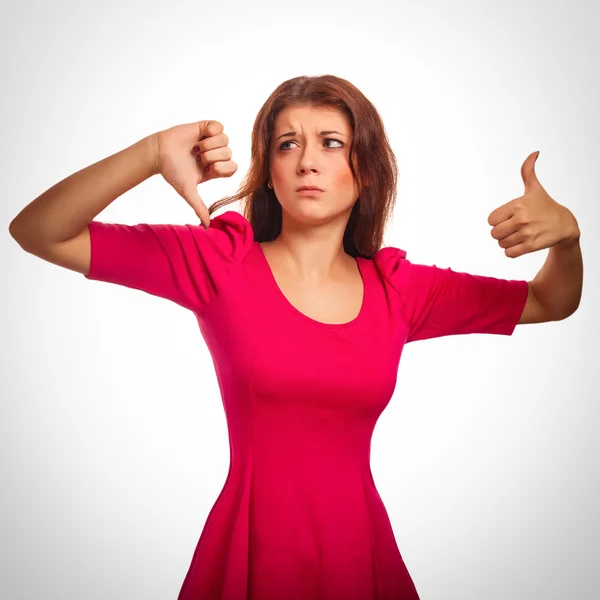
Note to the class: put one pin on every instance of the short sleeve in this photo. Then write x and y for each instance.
(437, 302)
(186, 264)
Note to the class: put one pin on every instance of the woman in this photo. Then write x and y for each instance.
(305, 316)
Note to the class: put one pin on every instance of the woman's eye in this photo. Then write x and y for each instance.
(281, 147)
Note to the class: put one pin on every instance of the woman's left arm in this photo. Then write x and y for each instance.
(533, 222)
(558, 284)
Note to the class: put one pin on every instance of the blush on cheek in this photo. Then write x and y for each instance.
(344, 178)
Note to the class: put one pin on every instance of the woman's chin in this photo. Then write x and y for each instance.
(310, 211)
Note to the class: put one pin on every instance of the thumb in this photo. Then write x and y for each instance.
(191, 196)
(528, 172)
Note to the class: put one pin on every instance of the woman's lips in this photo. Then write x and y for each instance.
(309, 192)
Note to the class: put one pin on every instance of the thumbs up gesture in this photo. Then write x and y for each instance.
(533, 221)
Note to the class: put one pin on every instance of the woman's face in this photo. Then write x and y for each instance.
(311, 146)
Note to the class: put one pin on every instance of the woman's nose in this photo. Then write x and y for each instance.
(307, 161)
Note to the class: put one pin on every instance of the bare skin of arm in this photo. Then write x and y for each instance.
(54, 226)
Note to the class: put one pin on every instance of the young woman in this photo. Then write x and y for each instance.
(305, 316)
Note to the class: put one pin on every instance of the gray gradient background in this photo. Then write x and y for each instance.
(114, 440)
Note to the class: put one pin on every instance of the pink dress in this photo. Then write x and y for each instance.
(299, 516)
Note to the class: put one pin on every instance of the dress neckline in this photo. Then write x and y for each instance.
(273, 282)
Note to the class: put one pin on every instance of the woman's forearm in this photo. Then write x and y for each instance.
(62, 211)
(559, 283)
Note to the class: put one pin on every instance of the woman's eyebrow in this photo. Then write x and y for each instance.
(290, 133)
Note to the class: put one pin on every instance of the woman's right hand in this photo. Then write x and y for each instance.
(184, 169)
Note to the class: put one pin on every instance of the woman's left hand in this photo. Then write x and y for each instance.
(533, 221)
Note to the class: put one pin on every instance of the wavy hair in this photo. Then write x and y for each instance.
(372, 162)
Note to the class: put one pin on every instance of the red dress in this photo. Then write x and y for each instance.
(299, 516)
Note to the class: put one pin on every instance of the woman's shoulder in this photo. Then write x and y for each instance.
(392, 264)
(230, 233)
(230, 218)
(388, 256)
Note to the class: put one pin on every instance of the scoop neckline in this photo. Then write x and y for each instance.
(294, 310)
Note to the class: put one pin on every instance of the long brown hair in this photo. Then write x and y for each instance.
(372, 163)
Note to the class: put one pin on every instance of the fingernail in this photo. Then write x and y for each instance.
(196, 149)
(207, 169)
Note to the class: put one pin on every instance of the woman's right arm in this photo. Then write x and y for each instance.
(54, 226)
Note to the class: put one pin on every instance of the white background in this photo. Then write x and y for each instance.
(114, 442)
